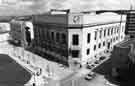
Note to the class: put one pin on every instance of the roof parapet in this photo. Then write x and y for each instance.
(57, 11)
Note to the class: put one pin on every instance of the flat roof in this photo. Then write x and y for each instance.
(78, 19)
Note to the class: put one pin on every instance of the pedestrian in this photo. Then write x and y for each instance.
(28, 35)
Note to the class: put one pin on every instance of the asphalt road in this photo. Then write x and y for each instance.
(11, 73)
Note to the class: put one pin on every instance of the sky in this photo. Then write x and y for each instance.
(24, 7)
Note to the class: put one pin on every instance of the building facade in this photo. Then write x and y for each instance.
(77, 37)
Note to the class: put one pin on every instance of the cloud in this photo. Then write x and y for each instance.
(24, 7)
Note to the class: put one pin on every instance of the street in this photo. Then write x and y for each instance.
(99, 80)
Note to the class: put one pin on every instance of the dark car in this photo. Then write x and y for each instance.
(97, 62)
(102, 58)
(90, 76)
(90, 66)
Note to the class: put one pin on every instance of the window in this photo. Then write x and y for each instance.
(88, 37)
(47, 34)
(114, 39)
(104, 32)
(100, 33)
(88, 51)
(52, 35)
(108, 32)
(57, 37)
(111, 40)
(75, 39)
(104, 43)
(63, 38)
(99, 46)
(115, 29)
(95, 35)
(94, 47)
(75, 53)
(123, 28)
(111, 30)
(117, 38)
(121, 37)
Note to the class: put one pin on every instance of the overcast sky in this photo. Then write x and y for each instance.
(22, 7)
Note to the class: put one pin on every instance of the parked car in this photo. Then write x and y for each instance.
(102, 58)
(90, 66)
(97, 62)
(90, 76)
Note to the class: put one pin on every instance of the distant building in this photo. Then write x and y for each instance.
(130, 23)
(123, 59)
(19, 31)
(77, 37)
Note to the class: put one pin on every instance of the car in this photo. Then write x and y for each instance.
(97, 62)
(102, 58)
(90, 66)
(90, 76)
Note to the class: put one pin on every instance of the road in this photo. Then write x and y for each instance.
(11, 73)
(102, 72)
(17, 76)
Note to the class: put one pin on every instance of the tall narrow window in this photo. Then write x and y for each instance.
(94, 47)
(57, 37)
(63, 38)
(108, 32)
(123, 28)
(88, 51)
(118, 29)
(100, 33)
(99, 46)
(75, 39)
(115, 29)
(52, 35)
(114, 39)
(88, 37)
(104, 43)
(104, 32)
(111, 30)
(95, 35)
(48, 35)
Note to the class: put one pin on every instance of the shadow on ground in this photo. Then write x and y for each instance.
(11, 73)
(127, 77)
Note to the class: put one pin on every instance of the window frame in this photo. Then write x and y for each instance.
(95, 47)
(75, 52)
(75, 36)
(99, 45)
(57, 37)
(95, 35)
(88, 37)
(63, 38)
(88, 51)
